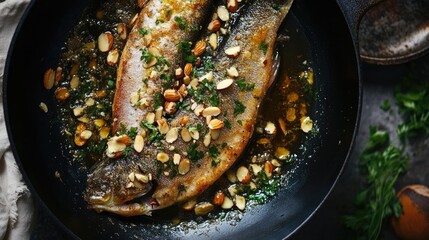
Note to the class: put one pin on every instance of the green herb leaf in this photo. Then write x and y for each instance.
(193, 154)
(238, 108)
(182, 24)
(264, 47)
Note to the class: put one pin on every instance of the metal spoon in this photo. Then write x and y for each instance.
(394, 32)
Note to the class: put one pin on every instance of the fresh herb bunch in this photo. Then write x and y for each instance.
(382, 163)
(412, 98)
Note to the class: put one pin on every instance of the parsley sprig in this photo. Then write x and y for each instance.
(382, 163)
(412, 99)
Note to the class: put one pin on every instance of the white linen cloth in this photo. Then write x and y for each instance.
(16, 205)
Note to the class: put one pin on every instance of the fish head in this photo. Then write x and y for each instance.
(119, 186)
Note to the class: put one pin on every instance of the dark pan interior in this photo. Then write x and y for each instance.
(36, 140)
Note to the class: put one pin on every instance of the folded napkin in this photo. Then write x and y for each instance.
(16, 206)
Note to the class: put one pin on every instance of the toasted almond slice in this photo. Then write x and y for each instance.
(211, 111)
(214, 25)
(49, 79)
(74, 82)
(240, 202)
(86, 134)
(232, 72)
(138, 143)
(306, 124)
(105, 41)
(232, 177)
(172, 135)
(150, 117)
(172, 95)
(208, 76)
(152, 62)
(224, 84)
(163, 126)
(243, 174)
(194, 133)
(186, 136)
(200, 48)
(227, 203)
(62, 93)
(233, 189)
(281, 153)
(184, 166)
(270, 128)
(233, 52)
(158, 113)
(223, 13)
(268, 169)
(58, 75)
(232, 5)
(188, 69)
(112, 57)
(282, 126)
(78, 111)
(189, 205)
(218, 198)
(104, 132)
(215, 133)
(142, 178)
(122, 30)
(207, 140)
(203, 208)
(176, 159)
(43, 106)
(256, 168)
(170, 107)
(199, 109)
(213, 41)
(131, 176)
(216, 124)
(162, 157)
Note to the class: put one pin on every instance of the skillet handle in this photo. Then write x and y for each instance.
(353, 11)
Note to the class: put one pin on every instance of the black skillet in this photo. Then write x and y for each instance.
(36, 140)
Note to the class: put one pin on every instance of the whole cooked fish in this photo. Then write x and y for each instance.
(206, 120)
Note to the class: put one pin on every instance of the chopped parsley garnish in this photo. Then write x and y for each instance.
(146, 55)
(154, 134)
(238, 108)
(158, 21)
(227, 123)
(185, 48)
(241, 83)
(143, 31)
(275, 7)
(193, 154)
(182, 24)
(264, 47)
(213, 152)
(168, 13)
(157, 100)
(206, 92)
(240, 122)
(412, 98)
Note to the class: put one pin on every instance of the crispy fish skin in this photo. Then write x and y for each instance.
(157, 30)
(107, 186)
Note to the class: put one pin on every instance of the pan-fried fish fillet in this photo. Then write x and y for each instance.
(189, 148)
(161, 26)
